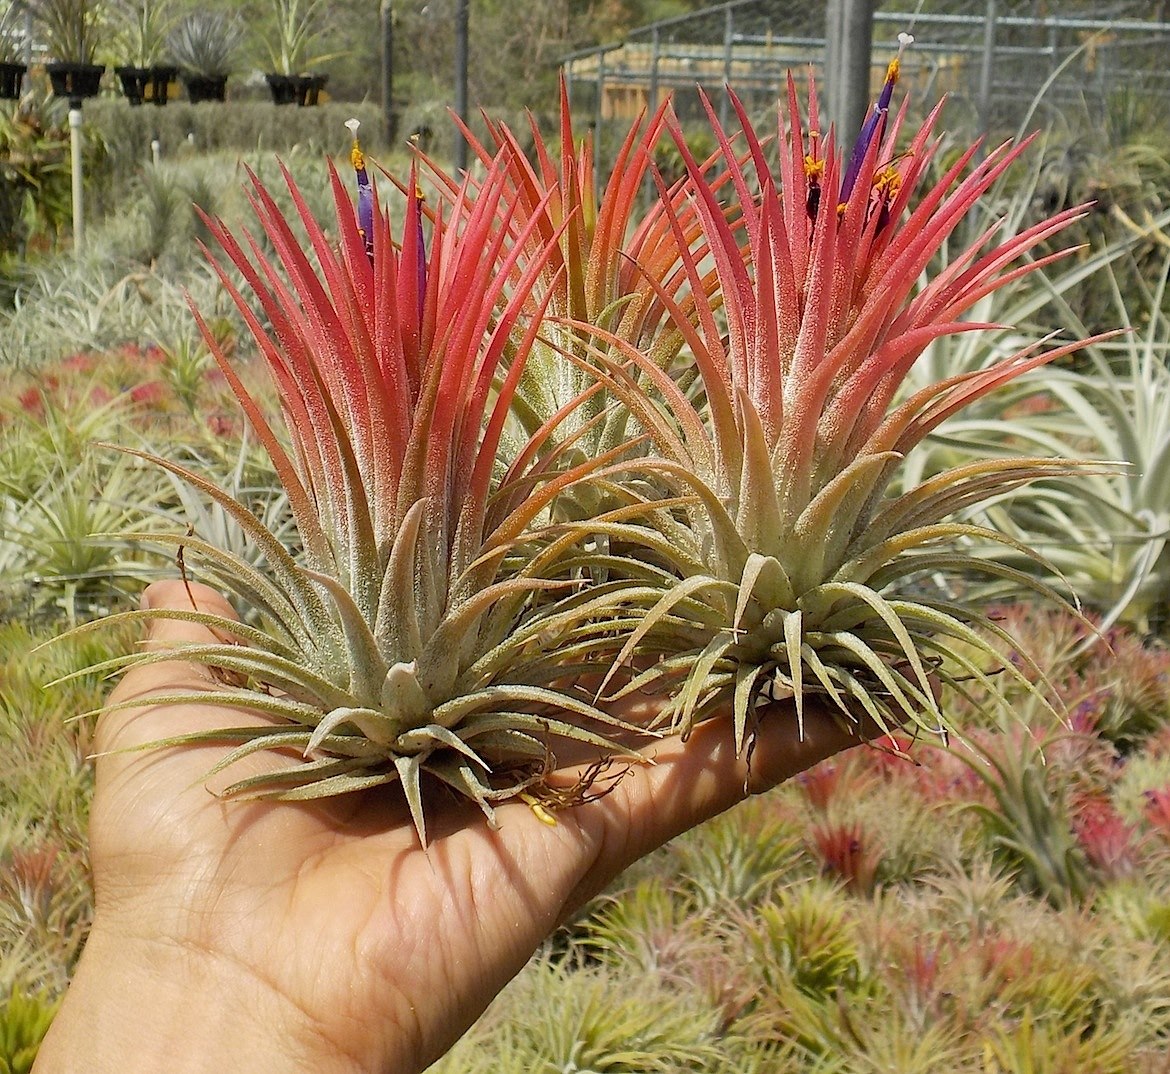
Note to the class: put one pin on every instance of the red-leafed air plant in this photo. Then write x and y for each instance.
(794, 571)
(533, 435)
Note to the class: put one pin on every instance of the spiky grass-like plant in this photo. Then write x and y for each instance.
(395, 643)
(794, 571)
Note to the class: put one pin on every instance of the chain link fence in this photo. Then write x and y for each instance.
(1003, 63)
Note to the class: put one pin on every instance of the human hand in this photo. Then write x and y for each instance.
(272, 936)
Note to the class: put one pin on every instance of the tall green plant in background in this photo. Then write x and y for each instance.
(1108, 534)
(71, 29)
(294, 36)
(11, 47)
(34, 178)
(140, 30)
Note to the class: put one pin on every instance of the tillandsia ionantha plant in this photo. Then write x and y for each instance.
(729, 399)
(794, 574)
(393, 644)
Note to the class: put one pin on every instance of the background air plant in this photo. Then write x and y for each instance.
(1110, 531)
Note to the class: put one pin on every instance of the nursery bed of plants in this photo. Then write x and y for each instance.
(998, 902)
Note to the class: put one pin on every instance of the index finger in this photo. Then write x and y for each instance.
(131, 727)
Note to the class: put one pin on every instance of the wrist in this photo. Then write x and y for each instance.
(138, 1005)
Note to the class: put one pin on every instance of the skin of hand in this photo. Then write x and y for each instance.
(270, 937)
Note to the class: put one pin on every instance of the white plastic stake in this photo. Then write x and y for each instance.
(75, 158)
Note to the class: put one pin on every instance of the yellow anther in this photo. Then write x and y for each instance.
(887, 182)
(356, 157)
(894, 70)
(813, 168)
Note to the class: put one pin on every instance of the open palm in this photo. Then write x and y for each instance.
(322, 931)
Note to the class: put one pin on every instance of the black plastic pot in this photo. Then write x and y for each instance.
(160, 84)
(303, 90)
(309, 90)
(11, 77)
(76, 81)
(282, 87)
(146, 83)
(205, 87)
(134, 82)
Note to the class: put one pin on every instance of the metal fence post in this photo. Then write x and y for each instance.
(728, 42)
(652, 103)
(987, 68)
(461, 65)
(598, 118)
(848, 44)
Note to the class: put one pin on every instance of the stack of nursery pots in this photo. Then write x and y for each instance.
(302, 90)
(152, 83)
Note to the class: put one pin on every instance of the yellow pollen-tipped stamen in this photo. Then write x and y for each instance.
(356, 157)
(887, 181)
(813, 168)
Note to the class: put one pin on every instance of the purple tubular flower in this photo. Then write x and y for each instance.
(414, 247)
(365, 205)
(421, 245)
(875, 121)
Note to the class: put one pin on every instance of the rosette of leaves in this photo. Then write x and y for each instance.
(611, 256)
(604, 252)
(70, 29)
(206, 43)
(391, 643)
(1110, 535)
(794, 574)
(11, 46)
(142, 28)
